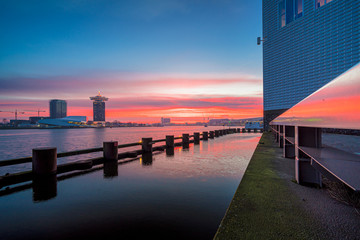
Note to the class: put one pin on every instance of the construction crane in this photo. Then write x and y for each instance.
(23, 112)
(38, 111)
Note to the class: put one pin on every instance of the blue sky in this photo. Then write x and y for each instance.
(79, 39)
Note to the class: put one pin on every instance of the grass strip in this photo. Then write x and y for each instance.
(263, 206)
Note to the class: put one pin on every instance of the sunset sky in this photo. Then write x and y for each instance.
(187, 60)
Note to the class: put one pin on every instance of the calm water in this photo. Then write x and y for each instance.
(183, 196)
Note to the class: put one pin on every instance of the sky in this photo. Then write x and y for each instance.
(189, 60)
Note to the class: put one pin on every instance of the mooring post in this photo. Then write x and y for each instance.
(196, 137)
(212, 134)
(185, 140)
(205, 136)
(217, 133)
(44, 161)
(221, 132)
(238, 130)
(169, 141)
(243, 130)
(110, 150)
(146, 145)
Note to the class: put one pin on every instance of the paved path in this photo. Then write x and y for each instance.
(270, 205)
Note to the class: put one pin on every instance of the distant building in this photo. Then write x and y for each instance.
(70, 121)
(307, 43)
(219, 122)
(34, 120)
(165, 121)
(58, 108)
(99, 107)
(18, 122)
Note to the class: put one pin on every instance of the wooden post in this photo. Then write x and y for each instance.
(44, 161)
(170, 141)
(185, 140)
(212, 134)
(147, 145)
(110, 150)
(205, 136)
(217, 133)
(196, 137)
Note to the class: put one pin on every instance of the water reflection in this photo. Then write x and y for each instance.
(184, 198)
(44, 187)
(336, 105)
(147, 159)
(110, 169)
(170, 151)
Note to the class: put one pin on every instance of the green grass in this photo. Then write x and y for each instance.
(263, 206)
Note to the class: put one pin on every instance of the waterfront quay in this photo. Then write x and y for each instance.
(269, 204)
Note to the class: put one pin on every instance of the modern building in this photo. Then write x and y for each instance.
(99, 107)
(58, 108)
(306, 44)
(165, 121)
(35, 120)
(70, 121)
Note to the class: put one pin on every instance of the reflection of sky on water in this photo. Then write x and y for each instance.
(19, 143)
(346, 143)
(336, 105)
(183, 196)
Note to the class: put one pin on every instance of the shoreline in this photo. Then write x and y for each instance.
(268, 204)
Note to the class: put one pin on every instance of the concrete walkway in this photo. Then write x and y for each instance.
(268, 204)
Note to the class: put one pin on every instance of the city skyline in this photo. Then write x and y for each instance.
(181, 59)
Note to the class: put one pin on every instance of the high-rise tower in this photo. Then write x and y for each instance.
(57, 108)
(99, 107)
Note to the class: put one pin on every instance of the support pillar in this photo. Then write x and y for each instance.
(304, 172)
(289, 148)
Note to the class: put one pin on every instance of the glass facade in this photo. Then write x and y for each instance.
(298, 8)
(99, 111)
(289, 10)
(58, 108)
(282, 13)
(320, 3)
(301, 57)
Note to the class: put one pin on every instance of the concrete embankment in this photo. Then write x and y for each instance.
(268, 204)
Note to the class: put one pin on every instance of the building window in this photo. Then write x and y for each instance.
(282, 13)
(290, 10)
(299, 8)
(320, 3)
